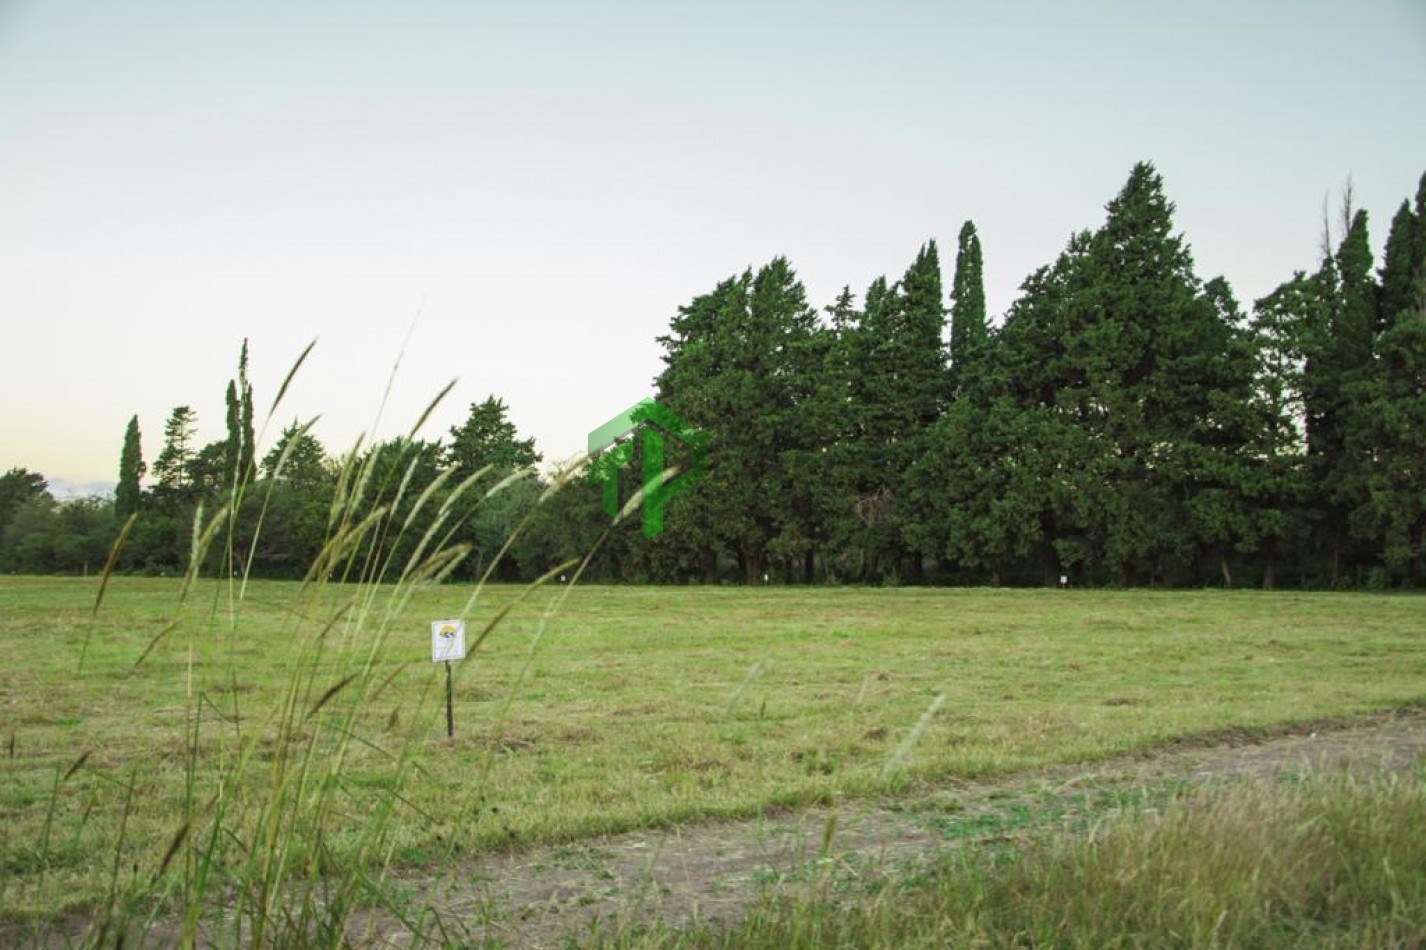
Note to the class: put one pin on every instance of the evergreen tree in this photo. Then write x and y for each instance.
(1389, 431)
(488, 440)
(240, 451)
(895, 359)
(170, 469)
(1023, 471)
(27, 545)
(233, 444)
(1288, 324)
(247, 466)
(968, 327)
(704, 377)
(1164, 381)
(298, 458)
(1385, 407)
(19, 487)
(298, 502)
(1400, 270)
(1132, 377)
(131, 471)
(487, 437)
(1339, 362)
(1239, 502)
(741, 364)
(1354, 317)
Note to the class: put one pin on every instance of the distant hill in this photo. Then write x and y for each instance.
(62, 489)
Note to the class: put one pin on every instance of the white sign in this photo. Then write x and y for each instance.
(447, 640)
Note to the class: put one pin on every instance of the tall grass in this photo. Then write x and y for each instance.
(273, 844)
(1330, 861)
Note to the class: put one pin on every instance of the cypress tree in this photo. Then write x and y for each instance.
(1388, 441)
(1342, 364)
(1355, 315)
(917, 344)
(1130, 375)
(741, 364)
(247, 457)
(1400, 269)
(233, 445)
(131, 470)
(1382, 484)
(968, 330)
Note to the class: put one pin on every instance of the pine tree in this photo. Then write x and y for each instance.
(171, 467)
(131, 471)
(488, 438)
(298, 459)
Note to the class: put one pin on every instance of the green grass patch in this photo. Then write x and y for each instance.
(305, 725)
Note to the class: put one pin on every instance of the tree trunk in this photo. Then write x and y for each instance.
(1050, 565)
(710, 567)
(1269, 568)
(753, 567)
(915, 570)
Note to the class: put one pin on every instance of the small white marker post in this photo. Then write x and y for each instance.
(447, 644)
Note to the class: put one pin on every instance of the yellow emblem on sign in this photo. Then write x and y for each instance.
(447, 640)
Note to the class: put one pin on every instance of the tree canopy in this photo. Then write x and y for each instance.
(1126, 421)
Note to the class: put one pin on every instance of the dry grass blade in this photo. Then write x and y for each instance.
(331, 691)
(903, 751)
(431, 407)
(78, 764)
(178, 838)
(291, 373)
(114, 550)
(168, 628)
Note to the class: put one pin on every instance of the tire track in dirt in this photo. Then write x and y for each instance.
(711, 872)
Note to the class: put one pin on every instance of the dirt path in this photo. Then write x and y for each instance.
(710, 872)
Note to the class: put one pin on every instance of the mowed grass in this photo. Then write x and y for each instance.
(597, 709)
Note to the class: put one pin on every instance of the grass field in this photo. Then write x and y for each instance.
(301, 732)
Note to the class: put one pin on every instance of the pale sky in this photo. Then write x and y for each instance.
(554, 179)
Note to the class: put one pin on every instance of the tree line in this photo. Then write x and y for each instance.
(1125, 423)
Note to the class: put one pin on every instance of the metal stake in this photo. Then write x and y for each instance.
(450, 709)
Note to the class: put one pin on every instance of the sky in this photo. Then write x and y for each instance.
(519, 196)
